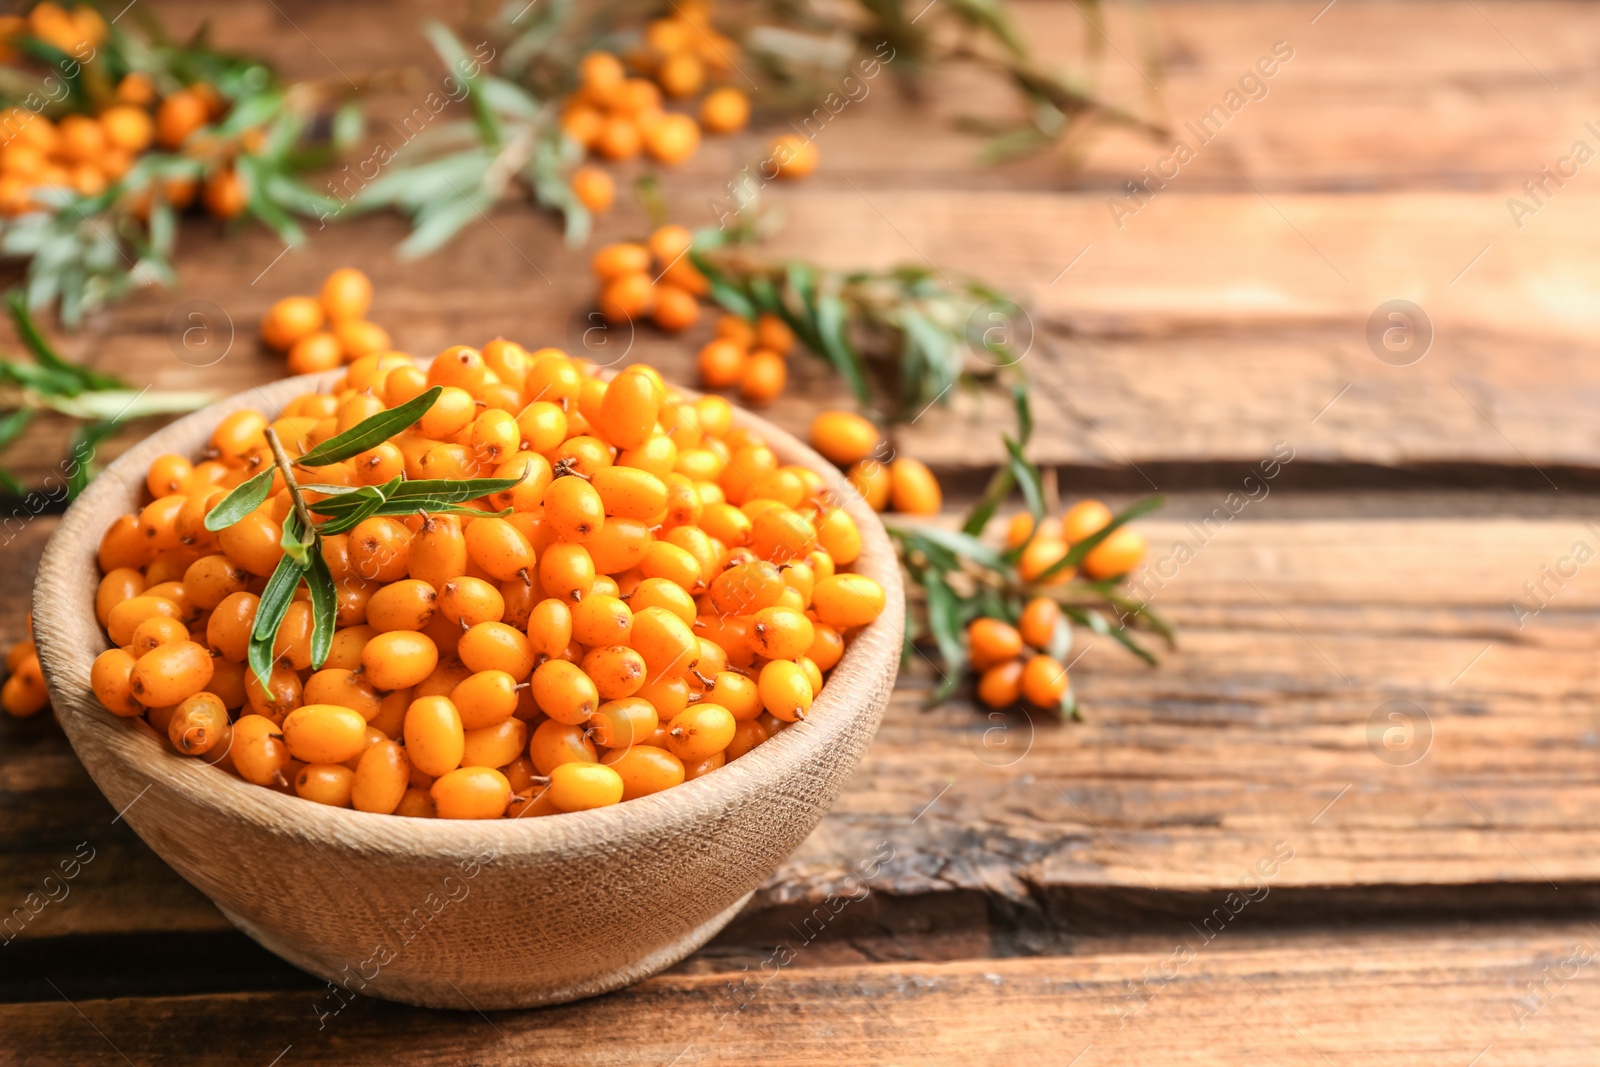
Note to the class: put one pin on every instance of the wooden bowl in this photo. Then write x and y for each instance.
(458, 914)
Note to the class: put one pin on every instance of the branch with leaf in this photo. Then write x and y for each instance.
(231, 127)
(321, 510)
(961, 577)
(54, 384)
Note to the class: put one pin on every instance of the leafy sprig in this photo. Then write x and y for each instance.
(961, 577)
(52, 383)
(340, 508)
(901, 339)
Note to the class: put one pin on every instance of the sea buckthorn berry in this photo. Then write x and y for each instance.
(468, 601)
(381, 778)
(780, 533)
(494, 746)
(574, 509)
(167, 475)
(594, 188)
(1119, 553)
(211, 579)
(657, 455)
(720, 363)
(554, 743)
(827, 647)
(258, 750)
(582, 786)
(1083, 520)
(564, 692)
(872, 480)
(668, 694)
(644, 769)
(471, 793)
(781, 633)
(408, 604)
(616, 671)
(701, 768)
(325, 783)
(913, 489)
(168, 674)
(199, 724)
(324, 733)
(665, 641)
(1020, 529)
(434, 738)
(785, 690)
(619, 546)
(660, 593)
(629, 492)
(280, 695)
(700, 731)
(1001, 685)
(438, 552)
(601, 620)
(746, 735)
(550, 628)
(726, 523)
(398, 659)
(773, 333)
(496, 646)
(846, 600)
(567, 571)
(417, 804)
(623, 722)
(629, 408)
(738, 693)
(442, 680)
(1040, 618)
(676, 309)
(1044, 682)
(380, 550)
(111, 678)
(347, 294)
(612, 261)
(992, 641)
(1040, 555)
(119, 584)
(762, 377)
(791, 156)
(724, 110)
(254, 543)
(486, 698)
(156, 631)
(839, 537)
(627, 297)
(498, 547)
(671, 563)
(543, 425)
(292, 644)
(345, 688)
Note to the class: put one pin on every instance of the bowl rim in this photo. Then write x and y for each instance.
(135, 745)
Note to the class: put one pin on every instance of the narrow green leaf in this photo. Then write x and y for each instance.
(1097, 623)
(10, 483)
(831, 321)
(241, 501)
(1027, 476)
(46, 354)
(270, 610)
(324, 608)
(959, 543)
(370, 431)
(13, 423)
(294, 543)
(944, 619)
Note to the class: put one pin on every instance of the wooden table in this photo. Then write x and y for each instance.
(1354, 819)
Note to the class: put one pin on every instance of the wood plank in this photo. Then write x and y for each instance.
(1238, 998)
(1267, 726)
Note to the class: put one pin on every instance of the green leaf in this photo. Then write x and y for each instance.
(944, 619)
(455, 59)
(47, 355)
(1097, 623)
(294, 543)
(1027, 476)
(324, 608)
(270, 610)
(11, 485)
(241, 501)
(13, 423)
(960, 543)
(831, 319)
(370, 431)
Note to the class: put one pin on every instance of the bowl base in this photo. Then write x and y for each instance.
(438, 991)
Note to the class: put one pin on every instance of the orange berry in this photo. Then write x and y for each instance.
(913, 488)
(681, 74)
(992, 641)
(618, 139)
(724, 110)
(1044, 682)
(762, 378)
(1119, 553)
(180, 115)
(672, 139)
(319, 351)
(627, 297)
(1001, 686)
(290, 319)
(594, 188)
(872, 480)
(675, 309)
(1040, 619)
(1041, 554)
(843, 437)
(127, 127)
(720, 363)
(1084, 519)
(792, 156)
(225, 195)
(347, 294)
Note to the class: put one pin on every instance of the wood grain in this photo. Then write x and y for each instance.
(1366, 1000)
